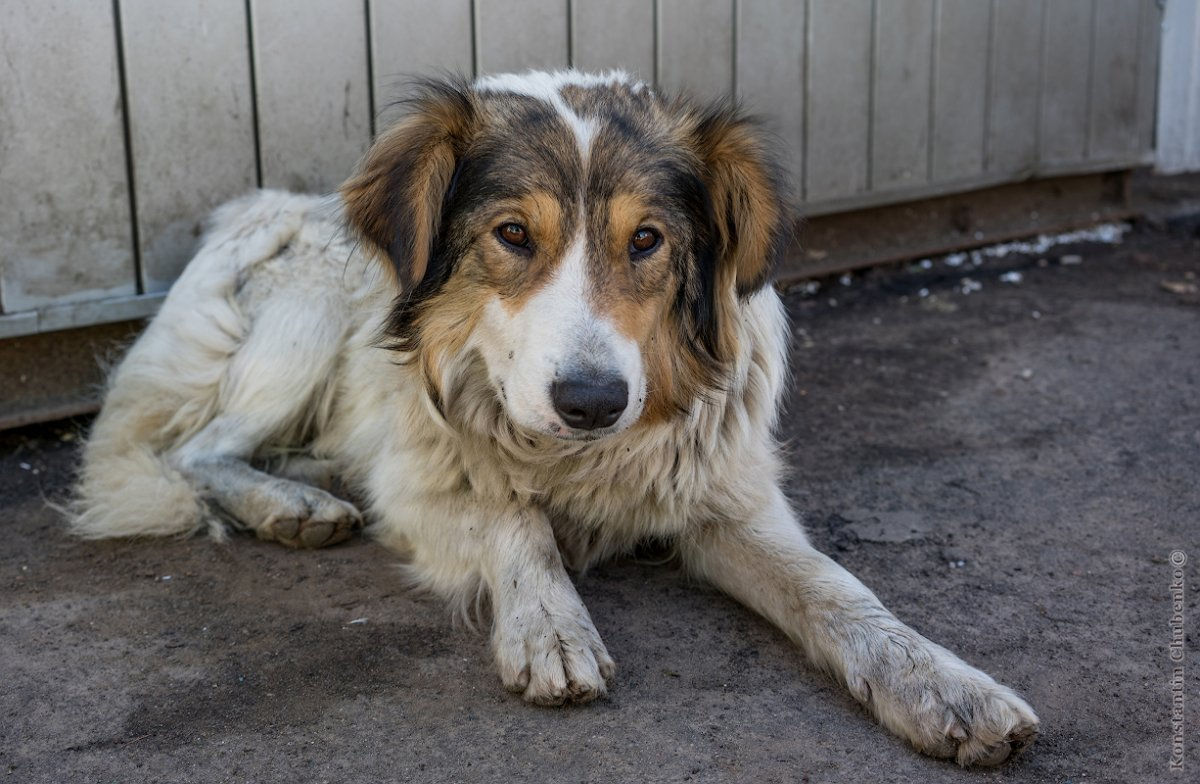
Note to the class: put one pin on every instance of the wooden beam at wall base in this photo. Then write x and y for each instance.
(55, 375)
(843, 242)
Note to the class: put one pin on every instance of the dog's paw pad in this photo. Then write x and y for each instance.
(325, 527)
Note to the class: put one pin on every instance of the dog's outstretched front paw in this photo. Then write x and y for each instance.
(551, 657)
(945, 707)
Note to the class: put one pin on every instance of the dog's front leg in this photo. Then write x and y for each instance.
(545, 644)
(543, 638)
(919, 690)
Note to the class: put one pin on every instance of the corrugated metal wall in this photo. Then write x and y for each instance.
(122, 122)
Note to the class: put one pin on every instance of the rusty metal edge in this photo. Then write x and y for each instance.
(41, 414)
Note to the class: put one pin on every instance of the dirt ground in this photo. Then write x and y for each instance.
(1009, 469)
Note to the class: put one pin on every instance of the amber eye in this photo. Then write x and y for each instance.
(643, 242)
(513, 234)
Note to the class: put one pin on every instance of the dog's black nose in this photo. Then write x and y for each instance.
(589, 402)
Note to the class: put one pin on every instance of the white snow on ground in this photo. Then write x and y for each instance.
(1107, 233)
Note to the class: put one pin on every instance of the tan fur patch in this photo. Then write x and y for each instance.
(631, 293)
(446, 325)
(515, 277)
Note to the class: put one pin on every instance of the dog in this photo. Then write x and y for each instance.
(533, 329)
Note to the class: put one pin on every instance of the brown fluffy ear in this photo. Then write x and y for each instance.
(394, 201)
(745, 185)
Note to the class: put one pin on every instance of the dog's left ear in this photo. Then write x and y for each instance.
(744, 182)
(395, 199)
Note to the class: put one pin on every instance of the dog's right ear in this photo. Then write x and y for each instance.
(395, 199)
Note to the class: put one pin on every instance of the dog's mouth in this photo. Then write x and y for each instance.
(562, 433)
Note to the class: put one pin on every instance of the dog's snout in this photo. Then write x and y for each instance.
(589, 402)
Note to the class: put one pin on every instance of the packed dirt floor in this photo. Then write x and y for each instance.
(1009, 465)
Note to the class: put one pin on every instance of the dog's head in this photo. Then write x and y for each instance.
(590, 240)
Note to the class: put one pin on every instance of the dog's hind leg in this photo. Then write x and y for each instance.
(275, 390)
(277, 509)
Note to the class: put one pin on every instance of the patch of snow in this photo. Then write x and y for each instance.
(1013, 277)
(1107, 233)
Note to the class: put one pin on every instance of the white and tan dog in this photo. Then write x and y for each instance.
(533, 330)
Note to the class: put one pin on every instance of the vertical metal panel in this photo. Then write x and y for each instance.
(191, 121)
(1147, 89)
(614, 34)
(1179, 93)
(839, 71)
(960, 89)
(900, 114)
(402, 46)
(1012, 140)
(65, 230)
(1065, 80)
(516, 35)
(770, 71)
(695, 47)
(1114, 78)
(310, 61)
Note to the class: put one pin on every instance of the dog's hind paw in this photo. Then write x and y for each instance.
(318, 522)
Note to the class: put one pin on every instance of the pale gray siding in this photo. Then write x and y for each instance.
(123, 123)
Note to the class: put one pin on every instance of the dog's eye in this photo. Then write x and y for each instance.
(643, 242)
(513, 234)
